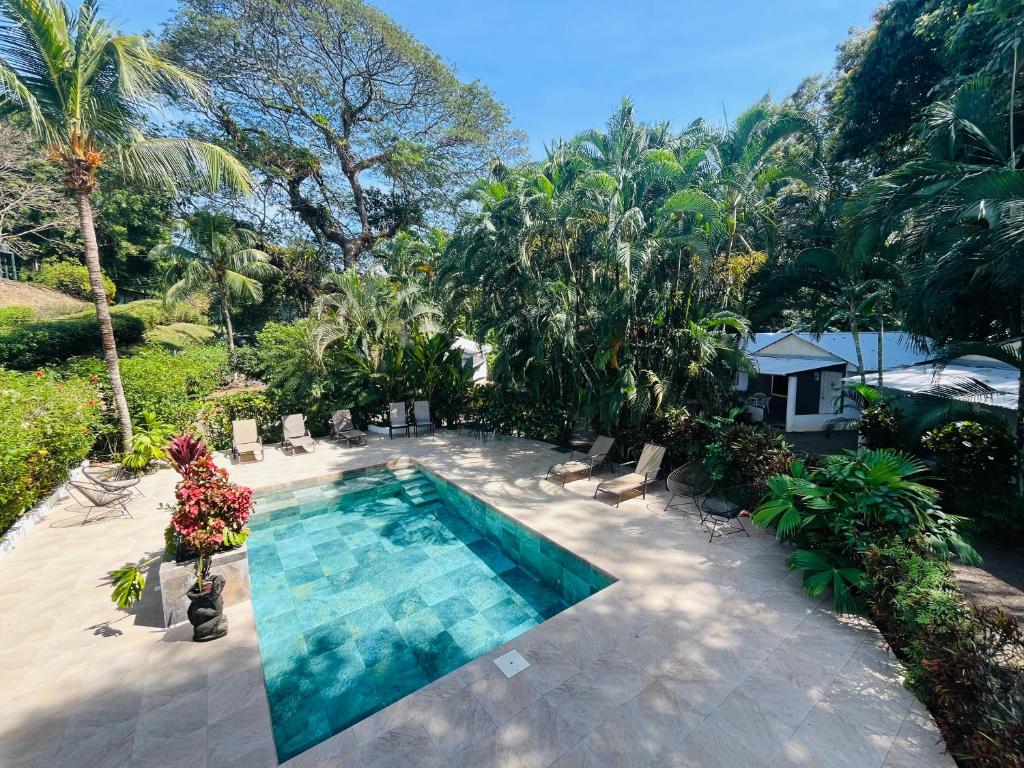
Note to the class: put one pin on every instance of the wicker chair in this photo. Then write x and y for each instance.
(690, 481)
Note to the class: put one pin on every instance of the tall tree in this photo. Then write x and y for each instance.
(84, 90)
(362, 129)
(217, 259)
(960, 212)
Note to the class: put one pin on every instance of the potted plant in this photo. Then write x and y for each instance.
(210, 515)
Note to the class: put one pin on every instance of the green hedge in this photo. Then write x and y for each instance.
(32, 345)
(171, 385)
(71, 279)
(47, 426)
(14, 316)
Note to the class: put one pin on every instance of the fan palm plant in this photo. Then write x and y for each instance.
(961, 210)
(84, 91)
(217, 259)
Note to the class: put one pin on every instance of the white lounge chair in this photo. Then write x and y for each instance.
(295, 433)
(421, 412)
(398, 418)
(344, 429)
(646, 470)
(585, 463)
(245, 439)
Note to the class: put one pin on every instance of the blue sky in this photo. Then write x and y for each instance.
(562, 66)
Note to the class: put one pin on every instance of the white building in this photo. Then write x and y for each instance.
(800, 375)
(474, 356)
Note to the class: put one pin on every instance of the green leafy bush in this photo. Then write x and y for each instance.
(47, 427)
(835, 513)
(171, 385)
(14, 316)
(28, 346)
(72, 279)
(976, 464)
(219, 412)
(966, 664)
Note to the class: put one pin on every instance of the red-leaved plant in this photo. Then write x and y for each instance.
(185, 449)
(211, 510)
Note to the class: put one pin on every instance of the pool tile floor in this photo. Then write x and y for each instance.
(367, 589)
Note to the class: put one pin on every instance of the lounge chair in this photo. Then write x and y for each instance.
(722, 512)
(586, 462)
(112, 478)
(398, 419)
(691, 481)
(421, 412)
(245, 439)
(93, 497)
(296, 435)
(343, 428)
(645, 470)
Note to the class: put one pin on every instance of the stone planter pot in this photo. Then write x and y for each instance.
(206, 610)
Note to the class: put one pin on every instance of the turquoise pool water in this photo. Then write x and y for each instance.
(367, 589)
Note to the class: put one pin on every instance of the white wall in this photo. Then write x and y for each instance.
(812, 422)
(794, 346)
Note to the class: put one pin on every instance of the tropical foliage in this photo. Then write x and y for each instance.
(834, 514)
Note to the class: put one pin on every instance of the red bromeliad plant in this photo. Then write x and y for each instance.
(185, 449)
(211, 511)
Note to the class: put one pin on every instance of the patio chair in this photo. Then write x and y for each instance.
(296, 435)
(421, 413)
(690, 481)
(722, 512)
(645, 470)
(586, 462)
(398, 418)
(343, 428)
(113, 477)
(245, 439)
(94, 497)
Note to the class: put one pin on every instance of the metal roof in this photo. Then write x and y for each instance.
(920, 378)
(899, 350)
(782, 366)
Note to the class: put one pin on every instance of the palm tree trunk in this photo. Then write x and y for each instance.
(99, 297)
(881, 341)
(229, 330)
(855, 332)
(1020, 417)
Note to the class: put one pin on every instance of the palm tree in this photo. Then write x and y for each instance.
(84, 90)
(217, 259)
(960, 211)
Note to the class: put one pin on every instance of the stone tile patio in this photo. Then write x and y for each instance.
(701, 655)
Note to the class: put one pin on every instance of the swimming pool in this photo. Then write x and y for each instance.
(367, 589)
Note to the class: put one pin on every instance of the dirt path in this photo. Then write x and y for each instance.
(999, 581)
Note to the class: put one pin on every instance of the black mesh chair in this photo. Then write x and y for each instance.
(689, 482)
(721, 512)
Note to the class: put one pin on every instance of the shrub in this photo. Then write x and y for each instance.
(28, 346)
(47, 427)
(11, 317)
(172, 386)
(966, 664)
(218, 413)
(72, 279)
(976, 465)
(211, 512)
(835, 513)
(879, 425)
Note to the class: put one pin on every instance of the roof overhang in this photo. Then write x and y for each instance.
(784, 366)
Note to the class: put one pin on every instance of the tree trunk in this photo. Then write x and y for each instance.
(229, 331)
(881, 341)
(99, 297)
(855, 332)
(1020, 418)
